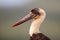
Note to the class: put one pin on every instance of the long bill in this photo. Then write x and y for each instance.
(24, 19)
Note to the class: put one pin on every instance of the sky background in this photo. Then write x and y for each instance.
(13, 10)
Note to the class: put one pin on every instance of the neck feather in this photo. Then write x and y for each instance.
(34, 28)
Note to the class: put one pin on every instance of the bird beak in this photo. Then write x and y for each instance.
(24, 19)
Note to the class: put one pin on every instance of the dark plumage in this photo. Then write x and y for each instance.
(39, 36)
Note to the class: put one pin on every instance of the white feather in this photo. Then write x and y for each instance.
(34, 28)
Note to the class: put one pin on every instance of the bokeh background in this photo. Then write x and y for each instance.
(13, 10)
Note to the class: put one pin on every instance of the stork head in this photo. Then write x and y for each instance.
(34, 14)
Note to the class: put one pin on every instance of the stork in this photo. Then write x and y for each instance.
(38, 15)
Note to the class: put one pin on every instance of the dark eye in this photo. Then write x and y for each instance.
(35, 11)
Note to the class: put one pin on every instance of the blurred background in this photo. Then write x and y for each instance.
(13, 10)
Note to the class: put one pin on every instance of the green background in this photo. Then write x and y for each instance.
(10, 14)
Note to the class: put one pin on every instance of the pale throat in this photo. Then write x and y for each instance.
(34, 28)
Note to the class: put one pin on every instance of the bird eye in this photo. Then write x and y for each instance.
(35, 11)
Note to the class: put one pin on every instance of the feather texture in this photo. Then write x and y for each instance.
(39, 36)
